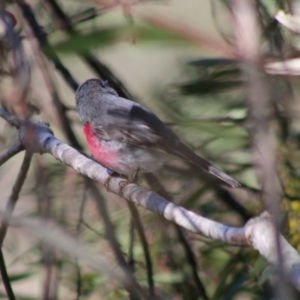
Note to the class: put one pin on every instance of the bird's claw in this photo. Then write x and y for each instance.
(107, 181)
(111, 174)
(124, 183)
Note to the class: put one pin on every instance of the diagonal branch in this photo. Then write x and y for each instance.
(110, 233)
(7, 215)
(9, 153)
(139, 227)
(5, 278)
(258, 232)
(155, 185)
(42, 38)
(101, 69)
(12, 201)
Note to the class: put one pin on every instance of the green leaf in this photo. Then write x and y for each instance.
(20, 276)
(83, 43)
(227, 73)
(105, 37)
(208, 86)
(258, 267)
(213, 62)
(154, 34)
(169, 278)
(266, 274)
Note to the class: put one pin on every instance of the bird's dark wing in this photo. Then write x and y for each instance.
(141, 128)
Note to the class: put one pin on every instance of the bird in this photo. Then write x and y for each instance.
(129, 139)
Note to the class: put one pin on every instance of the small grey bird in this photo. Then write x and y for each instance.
(128, 138)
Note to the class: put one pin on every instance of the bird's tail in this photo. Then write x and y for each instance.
(223, 176)
(187, 154)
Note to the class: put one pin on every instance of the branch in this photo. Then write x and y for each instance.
(15, 195)
(99, 68)
(110, 233)
(139, 227)
(5, 278)
(9, 153)
(141, 196)
(261, 106)
(42, 38)
(258, 233)
(7, 215)
(10, 118)
(159, 188)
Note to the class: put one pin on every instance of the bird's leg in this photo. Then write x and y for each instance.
(134, 176)
(123, 184)
(112, 174)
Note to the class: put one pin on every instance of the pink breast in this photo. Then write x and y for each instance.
(99, 148)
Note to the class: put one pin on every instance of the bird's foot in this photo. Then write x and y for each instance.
(112, 174)
(134, 176)
(124, 183)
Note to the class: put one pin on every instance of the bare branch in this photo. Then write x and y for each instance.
(9, 153)
(256, 233)
(7, 215)
(139, 227)
(42, 38)
(108, 225)
(11, 119)
(155, 185)
(260, 234)
(5, 278)
(248, 34)
(14, 195)
(141, 196)
(101, 69)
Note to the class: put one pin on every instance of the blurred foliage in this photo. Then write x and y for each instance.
(208, 109)
(108, 36)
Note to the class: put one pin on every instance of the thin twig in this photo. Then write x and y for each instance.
(101, 69)
(6, 281)
(60, 108)
(8, 213)
(110, 232)
(21, 65)
(131, 261)
(15, 195)
(42, 38)
(78, 230)
(10, 118)
(192, 262)
(232, 203)
(108, 225)
(156, 186)
(9, 153)
(248, 40)
(91, 228)
(139, 227)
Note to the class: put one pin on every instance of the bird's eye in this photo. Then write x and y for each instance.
(104, 84)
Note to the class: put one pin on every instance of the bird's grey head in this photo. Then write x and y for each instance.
(88, 98)
(92, 87)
